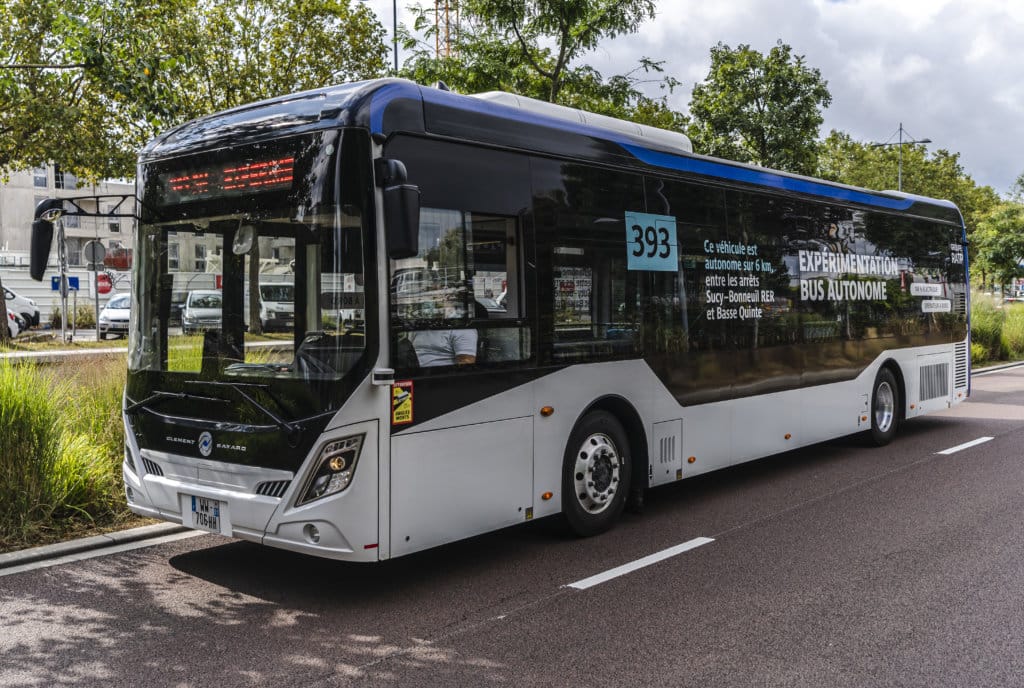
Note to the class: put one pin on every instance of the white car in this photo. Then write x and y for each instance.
(23, 306)
(202, 311)
(13, 323)
(114, 316)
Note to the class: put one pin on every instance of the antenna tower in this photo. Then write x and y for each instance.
(446, 23)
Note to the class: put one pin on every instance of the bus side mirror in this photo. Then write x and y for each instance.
(402, 220)
(42, 240)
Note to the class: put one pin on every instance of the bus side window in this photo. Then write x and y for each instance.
(458, 301)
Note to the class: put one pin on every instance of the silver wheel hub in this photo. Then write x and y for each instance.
(596, 473)
(885, 407)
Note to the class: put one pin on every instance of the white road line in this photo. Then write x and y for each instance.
(101, 552)
(965, 445)
(638, 564)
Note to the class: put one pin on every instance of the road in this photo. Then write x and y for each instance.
(835, 565)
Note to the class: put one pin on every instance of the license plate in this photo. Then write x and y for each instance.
(205, 514)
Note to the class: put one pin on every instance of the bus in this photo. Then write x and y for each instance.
(505, 310)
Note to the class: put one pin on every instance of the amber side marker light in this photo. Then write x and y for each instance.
(547, 495)
(547, 410)
(863, 418)
(913, 406)
(788, 435)
(691, 459)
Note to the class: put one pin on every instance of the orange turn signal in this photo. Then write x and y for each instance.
(691, 459)
(788, 435)
(547, 495)
(547, 410)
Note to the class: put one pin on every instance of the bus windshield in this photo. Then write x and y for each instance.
(252, 237)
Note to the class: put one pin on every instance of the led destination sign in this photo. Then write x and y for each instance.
(229, 179)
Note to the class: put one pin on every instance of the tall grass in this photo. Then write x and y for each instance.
(987, 327)
(1013, 331)
(61, 444)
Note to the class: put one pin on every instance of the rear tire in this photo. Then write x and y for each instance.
(885, 408)
(596, 473)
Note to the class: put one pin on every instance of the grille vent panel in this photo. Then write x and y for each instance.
(152, 467)
(960, 367)
(934, 381)
(273, 488)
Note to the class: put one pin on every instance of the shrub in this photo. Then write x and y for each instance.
(979, 355)
(1013, 331)
(84, 316)
(987, 327)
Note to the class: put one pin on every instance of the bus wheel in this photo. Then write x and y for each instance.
(595, 474)
(885, 405)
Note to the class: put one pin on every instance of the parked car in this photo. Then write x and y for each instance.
(23, 306)
(13, 323)
(114, 316)
(277, 306)
(202, 311)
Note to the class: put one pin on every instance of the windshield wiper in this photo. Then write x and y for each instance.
(290, 428)
(159, 396)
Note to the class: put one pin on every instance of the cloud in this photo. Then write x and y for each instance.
(949, 70)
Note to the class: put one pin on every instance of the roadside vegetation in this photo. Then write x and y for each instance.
(997, 330)
(60, 452)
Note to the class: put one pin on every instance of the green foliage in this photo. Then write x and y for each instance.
(61, 454)
(1013, 332)
(939, 175)
(987, 327)
(84, 316)
(121, 72)
(997, 244)
(979, 354)
(532, 47)
(761, 109)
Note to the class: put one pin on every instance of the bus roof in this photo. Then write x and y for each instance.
(390, 106)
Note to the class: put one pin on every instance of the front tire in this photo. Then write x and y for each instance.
(885, 408)
(596, 474)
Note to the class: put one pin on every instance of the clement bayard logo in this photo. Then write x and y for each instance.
(205, 444)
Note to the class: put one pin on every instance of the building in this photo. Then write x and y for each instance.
(19, 196)
(23, 191)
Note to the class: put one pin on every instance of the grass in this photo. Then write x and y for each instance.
(60, 459)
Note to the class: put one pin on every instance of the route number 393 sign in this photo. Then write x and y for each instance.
(651, 242)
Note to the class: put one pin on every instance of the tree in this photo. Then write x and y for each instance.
(530, 47)
(761, 109)
(997, 249)
(85, 83)
(939, 175)
(575, 26)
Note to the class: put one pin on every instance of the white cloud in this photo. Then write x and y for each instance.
(947, 69)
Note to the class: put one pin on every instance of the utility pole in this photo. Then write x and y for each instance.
(900, 143)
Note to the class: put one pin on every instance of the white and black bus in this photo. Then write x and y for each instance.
(504, 310)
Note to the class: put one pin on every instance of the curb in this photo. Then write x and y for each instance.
(61, 549)
(996, 368)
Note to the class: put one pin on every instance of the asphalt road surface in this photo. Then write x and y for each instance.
(834, 565)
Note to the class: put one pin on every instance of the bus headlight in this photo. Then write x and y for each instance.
(334, 469)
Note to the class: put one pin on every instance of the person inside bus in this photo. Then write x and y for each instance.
(444, 347)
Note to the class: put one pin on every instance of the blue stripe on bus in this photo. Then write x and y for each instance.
(763, 178)
(651, 157)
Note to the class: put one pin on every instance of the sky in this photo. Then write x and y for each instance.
(949, 70)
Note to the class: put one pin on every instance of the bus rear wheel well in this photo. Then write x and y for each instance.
(634, 427)
(897, 373)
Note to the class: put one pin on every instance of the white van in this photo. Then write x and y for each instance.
(277, 306)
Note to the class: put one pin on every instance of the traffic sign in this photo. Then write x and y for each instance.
(103, 283)
(55, 283)
(94, 251)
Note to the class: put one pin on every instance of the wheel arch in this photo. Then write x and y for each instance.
(626, 413)
(897, 372)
